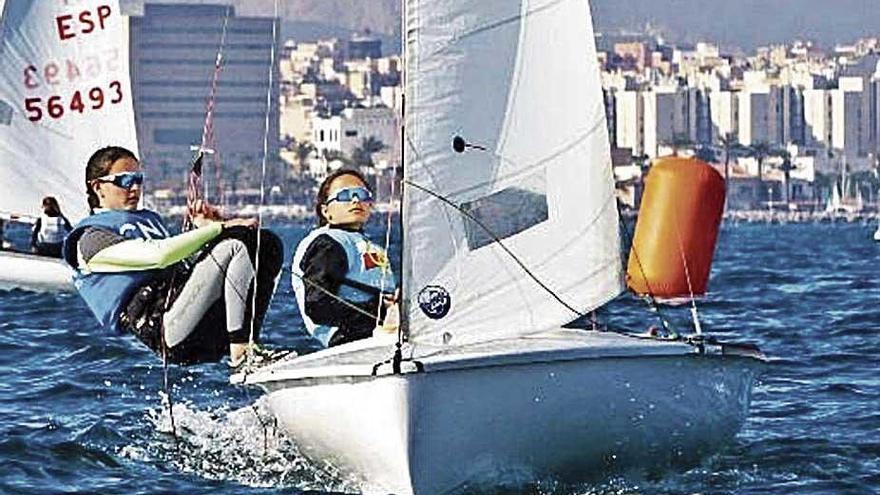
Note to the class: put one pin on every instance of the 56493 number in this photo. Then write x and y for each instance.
(55, 106)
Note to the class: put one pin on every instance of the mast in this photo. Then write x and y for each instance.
(403, 329)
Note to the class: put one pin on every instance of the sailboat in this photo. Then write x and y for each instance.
(65, 91)
(510, 232)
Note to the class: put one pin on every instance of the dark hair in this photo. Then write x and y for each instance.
(324, 191)
(99, 165)
(50, 207)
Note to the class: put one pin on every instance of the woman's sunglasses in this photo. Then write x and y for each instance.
(125, 180)
(349, 193)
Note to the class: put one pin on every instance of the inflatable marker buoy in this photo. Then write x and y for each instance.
(677, 228)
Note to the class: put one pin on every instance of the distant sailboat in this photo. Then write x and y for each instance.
(64, 92)
(510, 232)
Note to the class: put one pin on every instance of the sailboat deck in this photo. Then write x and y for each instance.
(359, 359)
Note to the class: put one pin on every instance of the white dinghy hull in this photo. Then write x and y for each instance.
(34, 273)
(552, 411)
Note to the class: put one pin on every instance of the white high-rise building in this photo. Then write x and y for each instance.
(846, 119)
(630, 121)
(665, 118)
(756, 115)
(817, 118)
(724, 114)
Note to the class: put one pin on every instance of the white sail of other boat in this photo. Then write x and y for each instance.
(510, 230)
(64, 92)
(506, 138)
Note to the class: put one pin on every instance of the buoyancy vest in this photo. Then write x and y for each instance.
(106, 294)
(367, 265)
(52, 230)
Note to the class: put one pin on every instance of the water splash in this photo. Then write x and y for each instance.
(241, 445)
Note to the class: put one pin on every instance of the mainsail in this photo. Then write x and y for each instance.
(510, 220)
(65, 91)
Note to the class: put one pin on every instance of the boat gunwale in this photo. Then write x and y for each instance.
(271, 379)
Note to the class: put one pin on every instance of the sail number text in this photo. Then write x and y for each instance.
(56, 106)
(59, 72)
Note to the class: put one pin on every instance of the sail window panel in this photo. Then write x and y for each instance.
(506, 213)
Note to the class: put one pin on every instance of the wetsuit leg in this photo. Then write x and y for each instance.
(218, 284)
(271, 259)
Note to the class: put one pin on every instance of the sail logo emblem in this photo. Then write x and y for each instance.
(434, 301)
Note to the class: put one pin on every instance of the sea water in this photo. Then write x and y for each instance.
(86, 411)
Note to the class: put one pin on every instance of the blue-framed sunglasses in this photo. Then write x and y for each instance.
(349, 193)
(125, 180)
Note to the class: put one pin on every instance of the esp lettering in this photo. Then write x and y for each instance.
(69, 25)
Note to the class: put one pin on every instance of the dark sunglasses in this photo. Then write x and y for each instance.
(349, 193)
(125, 180)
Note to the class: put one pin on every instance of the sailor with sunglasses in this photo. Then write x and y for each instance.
(188, 297)
(343, 282)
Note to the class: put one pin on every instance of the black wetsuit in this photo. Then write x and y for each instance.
(209, 340)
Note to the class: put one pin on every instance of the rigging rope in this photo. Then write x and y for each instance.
(650, 299)
(687, 275)
(195, 190)
(194, 194)
(266, 128)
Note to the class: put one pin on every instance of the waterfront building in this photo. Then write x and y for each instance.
(846, 116)
(173, 52)
(757, 115)
(817, 118)
(342, 134)
(363, 46)
(629, 121)
(724, 114)
(665, 111)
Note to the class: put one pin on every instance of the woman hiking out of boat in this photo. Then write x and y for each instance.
(188, 297)
(49, 231)
(343, 282)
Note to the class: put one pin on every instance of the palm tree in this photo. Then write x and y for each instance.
(362, 156)
(821, 183)
(334, 155)
(303, 150)
(729, 142)
(760, 150)
(786, 167)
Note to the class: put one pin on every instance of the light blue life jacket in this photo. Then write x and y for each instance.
(367, 265)
(107, 293)
(52, 230)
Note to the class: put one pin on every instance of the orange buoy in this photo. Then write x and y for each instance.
(677, 229)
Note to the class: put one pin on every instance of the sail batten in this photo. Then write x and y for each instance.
(509, 213)
(65, 91)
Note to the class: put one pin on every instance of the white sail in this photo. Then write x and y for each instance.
(64, 92)
(518, 81)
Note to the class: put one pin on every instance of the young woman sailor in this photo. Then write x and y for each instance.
(48, 233)
(343, 282)
(188, 297)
